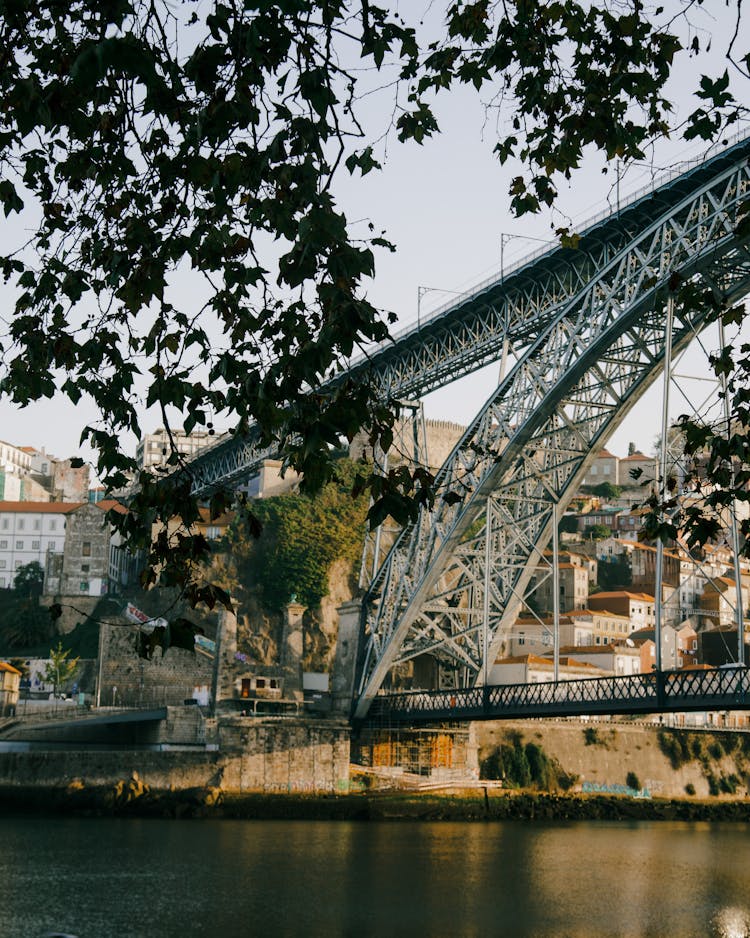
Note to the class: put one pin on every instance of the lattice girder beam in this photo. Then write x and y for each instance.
(471, 333)
(614, 322)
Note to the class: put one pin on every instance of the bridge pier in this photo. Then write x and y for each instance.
(345, 661)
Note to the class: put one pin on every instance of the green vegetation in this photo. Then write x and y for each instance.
(525, 766)
(591, 737)
(301, 539)
(690, 789)
(632, 781)
(607, 490)
(24, 624)
(681, 748)
(169, 142)
(29, 579)
(60, 668)
(597, 532)
(676, 747)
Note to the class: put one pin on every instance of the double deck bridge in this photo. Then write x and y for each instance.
(586, 327)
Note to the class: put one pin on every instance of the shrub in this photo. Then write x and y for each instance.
(713, 785)
(591, 737)
(632, 781)
(729, 742)
(715, 751)
(676, 747)
(524, 766)
(690, 789)
(728, 784)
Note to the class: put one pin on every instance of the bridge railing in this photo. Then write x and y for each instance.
(717, 688)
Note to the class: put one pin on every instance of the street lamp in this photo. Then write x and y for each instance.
(421, 291)
(505, 238)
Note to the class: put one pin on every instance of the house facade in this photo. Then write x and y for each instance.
(30, 531)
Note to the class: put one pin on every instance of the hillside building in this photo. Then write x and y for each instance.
(638, 608)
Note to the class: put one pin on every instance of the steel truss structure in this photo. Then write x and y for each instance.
(472, 331)
(453, 582)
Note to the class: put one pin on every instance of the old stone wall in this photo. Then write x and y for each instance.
(85, 566)
(293, 756)
(602, 753)
(167, 678)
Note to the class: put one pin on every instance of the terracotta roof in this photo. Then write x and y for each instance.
(639, 456)
(616, 594)
(27, 449)
(106, 504)
(522, 659)
(4, 666)
(57, 508)
(606, 453)
(593, 649)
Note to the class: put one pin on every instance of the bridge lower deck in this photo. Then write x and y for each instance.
(660, 692)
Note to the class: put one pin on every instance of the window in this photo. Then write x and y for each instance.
(19, 545)
(53, 525)
(86, 549)
(260, 682)
(35, 545)
(3, 564)
(3, 545)
(5, 524)
(84, 587)
(21, 524)
(37, 524)
(19, 564)
(51, 545)
(84, 568)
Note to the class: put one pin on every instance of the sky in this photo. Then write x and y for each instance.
(446, 207)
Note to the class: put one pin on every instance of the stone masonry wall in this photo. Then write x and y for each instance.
(165, 679)
(293, 756)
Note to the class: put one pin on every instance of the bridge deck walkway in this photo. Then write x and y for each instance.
(659, 692)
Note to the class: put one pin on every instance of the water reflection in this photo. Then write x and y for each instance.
(102, 878)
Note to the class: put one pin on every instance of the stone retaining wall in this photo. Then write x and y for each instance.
(288, 756)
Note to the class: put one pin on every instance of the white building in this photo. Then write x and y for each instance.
(612, 659)
(155, 448)
(533, 669)
(29, 531)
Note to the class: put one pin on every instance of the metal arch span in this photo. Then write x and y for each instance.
(469, 333)
(534, 439)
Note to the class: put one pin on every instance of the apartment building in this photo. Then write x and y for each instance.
(30, 531)
(638, 608)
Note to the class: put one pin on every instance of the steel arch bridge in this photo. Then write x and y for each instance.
(591, 323)
(454, 580)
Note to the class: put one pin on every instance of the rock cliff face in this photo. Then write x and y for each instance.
(259, 629)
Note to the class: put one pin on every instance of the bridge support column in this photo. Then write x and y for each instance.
(292, 650)
(224, 657)
(345, 662)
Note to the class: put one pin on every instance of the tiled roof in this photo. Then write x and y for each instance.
(617, 594)
(107, 504)
(56, 508)
(5, 666)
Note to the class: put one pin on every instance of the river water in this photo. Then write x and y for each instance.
(97, 878)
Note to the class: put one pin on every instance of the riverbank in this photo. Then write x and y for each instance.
(132, 799)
